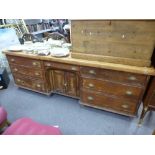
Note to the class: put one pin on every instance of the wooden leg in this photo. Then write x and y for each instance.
(145, 109)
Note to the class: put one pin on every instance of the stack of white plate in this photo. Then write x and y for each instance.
(59, 52)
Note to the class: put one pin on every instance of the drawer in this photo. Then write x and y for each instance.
(103, 101)
(61, 66)
(37, 85)
(117, 76)
(26, 62)
(36, 73)
(111, 88)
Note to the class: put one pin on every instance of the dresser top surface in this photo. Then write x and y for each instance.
(82, 62)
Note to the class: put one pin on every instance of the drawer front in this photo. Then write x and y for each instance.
(111, 88)
(36, 73)
(117, 76)
(31, 84)
(102, 101)
(32, 63)
(61, 66)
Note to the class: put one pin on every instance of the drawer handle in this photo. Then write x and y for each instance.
(18, 80)
(48, 64)
(36, 73)
(129, 92)
(90, 98)
(91, 85)
(1, 87)
(35, 63)
(125, 106)
(132, 78)
(74, 68)
(15, 69)
(38, 85)
(12, 60)
(92, 72)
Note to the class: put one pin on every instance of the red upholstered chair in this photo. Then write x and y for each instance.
(26, 126)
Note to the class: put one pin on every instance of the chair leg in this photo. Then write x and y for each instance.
(144, 111)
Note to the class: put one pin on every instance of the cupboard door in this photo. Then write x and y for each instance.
(59, 81)
(71, 83)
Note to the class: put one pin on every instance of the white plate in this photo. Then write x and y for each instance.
(16, 48)
(59, 52)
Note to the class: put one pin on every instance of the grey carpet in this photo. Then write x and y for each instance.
(69, 115)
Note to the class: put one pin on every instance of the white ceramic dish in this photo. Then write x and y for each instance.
(59, 52)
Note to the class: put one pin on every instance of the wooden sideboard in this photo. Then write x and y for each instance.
(112, 87)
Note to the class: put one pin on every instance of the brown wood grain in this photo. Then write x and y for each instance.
(36, 73)
(65, 76)
(102, 100)
(89, 63)
(30, 83)
(114, 38)
(112, 60)
(72, 83)
(120, 77)
(127, 92)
